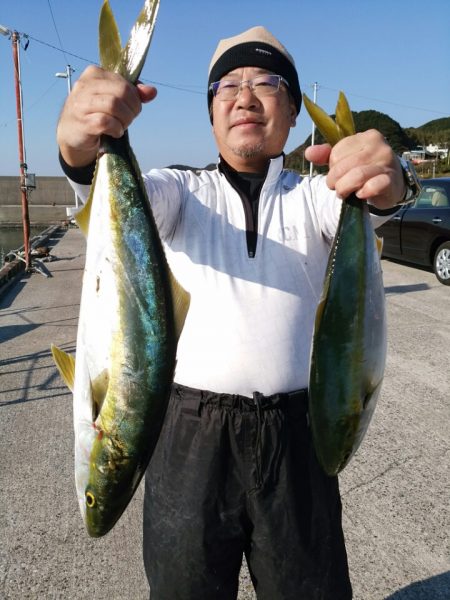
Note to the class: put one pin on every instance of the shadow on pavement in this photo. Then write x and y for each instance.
(434, 588)
(9, 292)
(33, 357)
(31, 377)
(408, 265)
(405, 289)
(8, 332)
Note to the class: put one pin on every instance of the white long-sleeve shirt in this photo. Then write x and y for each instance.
(250, 322)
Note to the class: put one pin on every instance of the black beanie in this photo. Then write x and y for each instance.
(255, 48)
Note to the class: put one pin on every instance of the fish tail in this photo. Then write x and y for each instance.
(127, 61)
(332, 131)
(109, 39)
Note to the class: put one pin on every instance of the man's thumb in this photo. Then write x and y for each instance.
(318, 154)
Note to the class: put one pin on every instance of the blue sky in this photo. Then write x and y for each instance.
(387, 55)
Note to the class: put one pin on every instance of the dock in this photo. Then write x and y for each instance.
(395, 491)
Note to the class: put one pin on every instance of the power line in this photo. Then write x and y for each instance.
(174, 87)
(191, 91)
(57, 32)
(438, 112)
(92, 62)
(59, 50)
(27, 109)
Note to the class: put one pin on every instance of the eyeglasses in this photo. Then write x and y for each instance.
(262, 85)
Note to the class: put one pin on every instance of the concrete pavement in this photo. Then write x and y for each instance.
(396, 491)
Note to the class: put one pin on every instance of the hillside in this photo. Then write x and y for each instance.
(433, 132)
(400, 139)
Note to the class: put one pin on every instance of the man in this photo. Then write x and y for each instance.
(234, 471)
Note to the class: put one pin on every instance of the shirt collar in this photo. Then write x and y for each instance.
(274, 168)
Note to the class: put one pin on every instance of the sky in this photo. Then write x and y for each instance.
(386, 55)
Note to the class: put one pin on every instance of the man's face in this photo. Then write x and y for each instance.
(249, 129)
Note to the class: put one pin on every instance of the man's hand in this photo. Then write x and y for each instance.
(364, 164)
(101, 102)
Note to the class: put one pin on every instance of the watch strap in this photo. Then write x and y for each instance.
(412, 182)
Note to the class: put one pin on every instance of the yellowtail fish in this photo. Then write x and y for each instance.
(349, 341)
(128, 324)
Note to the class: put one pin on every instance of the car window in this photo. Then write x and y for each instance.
(432, 196)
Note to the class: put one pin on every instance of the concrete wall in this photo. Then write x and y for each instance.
(46, 204)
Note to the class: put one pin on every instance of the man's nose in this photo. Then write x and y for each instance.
(246, 94)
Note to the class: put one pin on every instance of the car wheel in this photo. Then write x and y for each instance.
(441, 264)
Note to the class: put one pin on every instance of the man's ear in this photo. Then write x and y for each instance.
(292, 112)
(293, 115)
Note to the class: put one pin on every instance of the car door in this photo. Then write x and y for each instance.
(423, 222)
(390, 233)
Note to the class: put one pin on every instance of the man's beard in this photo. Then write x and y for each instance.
(248, 151)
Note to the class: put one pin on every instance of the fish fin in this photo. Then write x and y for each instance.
(344, 116)
(110, 44)
(66, 365)
(99, 389)
(324, 123)
(83, 216)
(379, 243)
(181, 300)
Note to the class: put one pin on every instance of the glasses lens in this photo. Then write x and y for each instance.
(227, 89)
(263, 85)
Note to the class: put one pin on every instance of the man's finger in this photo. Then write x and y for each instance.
(146, 92)
(318, 154)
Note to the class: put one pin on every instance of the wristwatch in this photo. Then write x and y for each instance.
(413, 185)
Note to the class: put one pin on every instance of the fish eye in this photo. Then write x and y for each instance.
(90, 499)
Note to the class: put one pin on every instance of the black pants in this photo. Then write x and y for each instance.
(231, 476)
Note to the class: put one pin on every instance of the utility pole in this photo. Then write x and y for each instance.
(311, 166)
(68, 75)
(15, 38)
